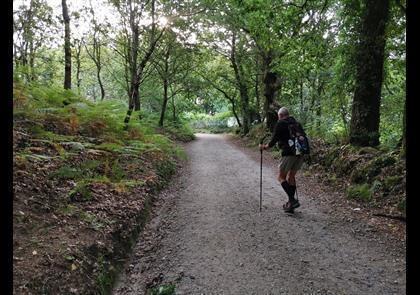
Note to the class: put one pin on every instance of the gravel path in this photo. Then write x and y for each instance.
(207, 237)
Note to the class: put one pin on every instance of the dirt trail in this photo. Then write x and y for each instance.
(209, 238)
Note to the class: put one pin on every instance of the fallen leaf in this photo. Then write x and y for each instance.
(69, 257)
(73, 267)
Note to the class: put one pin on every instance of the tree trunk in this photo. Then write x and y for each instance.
(165, 102)
(320, 90)
(135, 94)
(78, 65)
(164, 75)
(67, 48)
(134, 99)
(404, 139)
(272, 85)
(101, 84)
(364, 127)
(32, 73)
(243, 91)
(271, 106)
(129, 112)
(257, 93)
(136, 69)
(173, 108)
(234, 113)
(301, 96)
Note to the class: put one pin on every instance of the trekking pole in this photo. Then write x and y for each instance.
(261, 152)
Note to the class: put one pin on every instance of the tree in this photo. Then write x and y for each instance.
(32, 26)
(235, 59)
(67, 46)
(364, 127)
(96, 52)
(134, 60)
(78, 51)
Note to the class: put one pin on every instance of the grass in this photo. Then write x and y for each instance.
(66, 172)
(361, 192)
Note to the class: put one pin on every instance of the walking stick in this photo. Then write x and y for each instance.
(261, 152)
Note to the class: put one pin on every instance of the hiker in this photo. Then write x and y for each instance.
(290, 163)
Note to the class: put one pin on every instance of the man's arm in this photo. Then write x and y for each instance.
(274, 138)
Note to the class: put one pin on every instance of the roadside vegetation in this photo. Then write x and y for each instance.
(83, 187)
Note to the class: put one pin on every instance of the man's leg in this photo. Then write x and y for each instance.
(284, 167)
(292, 182)
(284, 183)
(297, 164)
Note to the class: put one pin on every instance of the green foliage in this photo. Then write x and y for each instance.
(164, 290)
(81, 191)
(360, 192)
(104, 277)
(391, 181)
(166, 168)
(117, 172)
(87, 169)
(182, 132)
(217, 123)
(258, 132)
(66, 172)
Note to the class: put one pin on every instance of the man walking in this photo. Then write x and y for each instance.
(290, 163)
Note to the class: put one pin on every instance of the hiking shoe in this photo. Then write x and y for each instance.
(295, 204)
(290, 206)
(289, 210)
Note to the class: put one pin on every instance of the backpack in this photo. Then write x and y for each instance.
(298, 139)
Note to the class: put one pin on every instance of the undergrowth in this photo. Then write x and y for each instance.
(56, 114)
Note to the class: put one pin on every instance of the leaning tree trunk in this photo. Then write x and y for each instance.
(165, 102)
(136, 71)
(272, 85)
(101, 85)
(67, 49)
(364, 128)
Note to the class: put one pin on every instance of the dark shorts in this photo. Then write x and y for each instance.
(290, 163)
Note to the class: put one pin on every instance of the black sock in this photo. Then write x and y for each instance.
(292, 190)
(287, 188)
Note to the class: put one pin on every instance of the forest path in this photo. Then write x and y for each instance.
(208, 237)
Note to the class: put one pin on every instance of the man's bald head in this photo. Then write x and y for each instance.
(283, 113)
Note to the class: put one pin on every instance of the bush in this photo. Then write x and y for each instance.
(218, 123)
